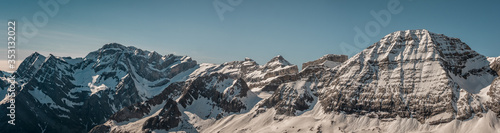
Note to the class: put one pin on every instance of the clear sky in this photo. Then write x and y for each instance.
(299, 30)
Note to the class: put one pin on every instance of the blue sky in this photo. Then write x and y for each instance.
(299, 30)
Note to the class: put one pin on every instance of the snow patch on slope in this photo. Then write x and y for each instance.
(40, 96)
(318, 121)
(43, 98)
(135, 125)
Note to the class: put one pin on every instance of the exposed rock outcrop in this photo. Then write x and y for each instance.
(413, 73)
(329, 60)
(62, 94)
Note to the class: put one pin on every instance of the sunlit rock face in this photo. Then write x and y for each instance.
(329, 60)
(409, 79)
(413, 73)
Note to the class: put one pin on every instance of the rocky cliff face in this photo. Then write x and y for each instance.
(211, 96)
(61, 94)
(413, 73)
(211, 92)
(411, 80)
(494, 89)
(494, 94)
(329, 60)
(414, 76)
(297, 93)
(259, 76)
(4, 84)
(495, 64)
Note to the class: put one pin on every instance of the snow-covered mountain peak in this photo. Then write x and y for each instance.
(30, 65)
(404, 33)
(277, 61)
(249, 62)
(407, 65)
(410, 80)
(115, 46)
(116, 49)
(33, 57)
(422, 37)
(94, 87)
(495, 64)
(419, 44)
(51, 57)
(34, 54)
(248, 59)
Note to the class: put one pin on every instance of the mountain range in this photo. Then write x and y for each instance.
(409, 81)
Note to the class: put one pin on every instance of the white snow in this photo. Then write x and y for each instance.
(204, 108)
(483, 94)
(147, 91)
(71, 103)
(94, 89)
(135, 125)
(474, 83)
(63, 116)
(87, 77)
(40, 96)
(262, 94)
(316, 120)
(441, 116)
(331, 64)
(493, 59)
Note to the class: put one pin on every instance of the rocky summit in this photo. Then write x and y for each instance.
(415, 74)
(62, 94)
(412, 80)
